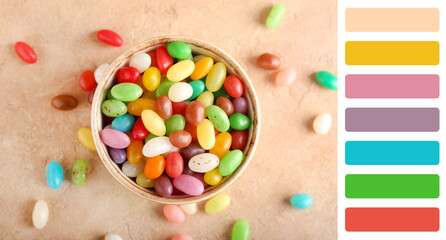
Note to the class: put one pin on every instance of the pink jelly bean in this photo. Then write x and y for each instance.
(286, 77)
(188, 184)
(114, 138)
(173, 213)
(182, 236)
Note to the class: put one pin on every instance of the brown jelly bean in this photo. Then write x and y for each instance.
(195, 113)
(226, 105)
(180, 138)
(239, 139)
(193, 149)
(268, 61)
(64, 102)
(164, 107)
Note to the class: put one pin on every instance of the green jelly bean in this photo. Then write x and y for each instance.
(276, 15)
(240, 230)
(144, 182)
(218, 118)
(163, 88)
(239, 121)
(79, 172)
(198, 87)
(149, 136)
(222, 93)
(126, 92)
(175, 123)
(113, 108)
(179, 50)
(109, 95)
(230, 162)
(327, 80)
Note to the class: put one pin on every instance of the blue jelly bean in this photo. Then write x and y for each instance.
(123, 123)
(301, 201)
(54, 175)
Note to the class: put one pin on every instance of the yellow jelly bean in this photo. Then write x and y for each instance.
(223, 142)
(217, 204)
(216, 77)
(136, 107)
(205, 134)
(212, 177)
(86, 138)
(202, 68)
(207, 99)
(151, 78)
(153, 122)
(180, 70)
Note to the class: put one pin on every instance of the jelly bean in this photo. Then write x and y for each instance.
(192, 150)
(200, 176)
(189, 209)
(327, 80)
(127, 75)
(40, 214)
(179, 50)
(126, 92)
(269, 61)
(144, 182)
(179, 108)
(182, 236)
(134, 151)
(198, 58)
(164, 88)
(157, 146)
(206, 98)
(112, 237)
(118, 155)
(203, 162)
(206, 134)
(190, 57)
(91, 95)
(140, 83)
(221, 93)
(113, 108)
(149, 95)
(174, 164)
(216, 77)
(217, 204)
(154, 167)
(175, 123)
(54, 175)
(137, 106)
(202, 68)
(240, 230)
(151, 78)
(322, 123)
(180, 139)
(86, 81)
(230, 162)
(192, 130)
(164, 107)
(140, 61)
(114, 138)
(163, 186)
(240, 105)
(234, 86)
(163, 59)
(218, 118)
(100, 71)
(25, 52)
(189, 185)
(222, 144)
(64, 102)
(86, 138)
(226, 105)
(124, 123)
(275, 16)
(286, 77)
(109, 37)
(180, 71)
(301, 201)
(195, 113)
(153, 122)
(132, 170)
(213, 177)
(187, 170)
(152, 55)
(139, 131)
(239, 121)
(149, 136)
(180, 92)
(79, 172)
(108, 95)
(173, 213)
(239, 139)
(197, 87)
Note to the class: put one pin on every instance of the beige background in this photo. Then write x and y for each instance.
(290, 158)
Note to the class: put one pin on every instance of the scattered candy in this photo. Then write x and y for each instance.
(240, 230)
(25, 52)
(301, 201)
(286, 77)
(140, 61)
(269, 61)
(189, 209)
(79, 172)
(86, 81)
(173, 213)
(86, 138)
(322, 123)
(327, 80)
(182, 236)
(54, 175)
(99, 72)
(217, 203)
(109, 37)
(64, 102)
(40, 214)
(112, 237)
(275, 16)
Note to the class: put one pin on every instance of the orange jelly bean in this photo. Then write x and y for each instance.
(136, 107)
(222, 144)
(134, 151)
(154, 167)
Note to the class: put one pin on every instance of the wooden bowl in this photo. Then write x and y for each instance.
(198, 47)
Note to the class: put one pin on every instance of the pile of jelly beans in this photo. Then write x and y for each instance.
(179, 121)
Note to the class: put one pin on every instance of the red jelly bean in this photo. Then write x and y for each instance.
(234, 86)
(109, 37)
(128, 74)
(174, 164)
(139, 131)
(179, 108)
(25, 52)
(192, 130)
(152, 55)
(86, 81)
(239, 139)
(163, 59)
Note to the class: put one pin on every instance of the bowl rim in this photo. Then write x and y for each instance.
(229, 62)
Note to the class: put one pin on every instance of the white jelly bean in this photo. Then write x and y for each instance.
(180, 91)
(322, 123)
(40, 214)
(189, 209)
(140, 61)
(204, 162)
(112, 237)
(132, 170)
(157, 146)
(99, 72)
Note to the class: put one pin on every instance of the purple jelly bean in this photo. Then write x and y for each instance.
(163, 186)
(186, 169)
(189, 185)
(193, 149)
(200, 176)
(114, 138)
(118, 155)
(240, 105)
